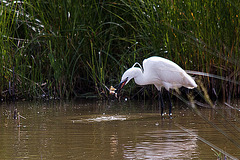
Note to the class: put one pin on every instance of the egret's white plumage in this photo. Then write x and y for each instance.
(162, 73)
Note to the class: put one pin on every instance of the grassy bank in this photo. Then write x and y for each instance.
(64, 49)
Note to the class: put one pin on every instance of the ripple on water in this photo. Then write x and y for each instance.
(102, 118)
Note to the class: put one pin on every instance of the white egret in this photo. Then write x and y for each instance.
(162, 73)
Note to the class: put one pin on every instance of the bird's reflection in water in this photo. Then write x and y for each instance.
(163, 144)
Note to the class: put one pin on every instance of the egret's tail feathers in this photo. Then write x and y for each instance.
(190, 83)
(191, 87)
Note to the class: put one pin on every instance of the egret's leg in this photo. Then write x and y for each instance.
(170, 104)
(160, 100)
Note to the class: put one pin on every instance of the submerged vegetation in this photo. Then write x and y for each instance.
(64, 48)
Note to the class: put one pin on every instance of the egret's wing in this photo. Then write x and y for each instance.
(166, 73)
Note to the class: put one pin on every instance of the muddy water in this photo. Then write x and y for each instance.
(113, 130)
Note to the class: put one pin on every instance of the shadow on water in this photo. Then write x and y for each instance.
(118, 130)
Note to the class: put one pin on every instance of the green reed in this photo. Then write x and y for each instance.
(63, 49)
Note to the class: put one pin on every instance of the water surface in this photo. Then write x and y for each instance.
(117, 130)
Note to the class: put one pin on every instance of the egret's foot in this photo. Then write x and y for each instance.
(163, 114)
(170, 115)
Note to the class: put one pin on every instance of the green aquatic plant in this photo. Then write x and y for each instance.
(219, 155)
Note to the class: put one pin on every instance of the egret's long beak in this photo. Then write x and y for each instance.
(121, 84)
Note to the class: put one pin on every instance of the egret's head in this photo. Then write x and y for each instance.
(128, 75)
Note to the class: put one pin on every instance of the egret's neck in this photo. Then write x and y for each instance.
(139, 78)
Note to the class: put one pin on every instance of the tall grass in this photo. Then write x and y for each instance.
(63, 49)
